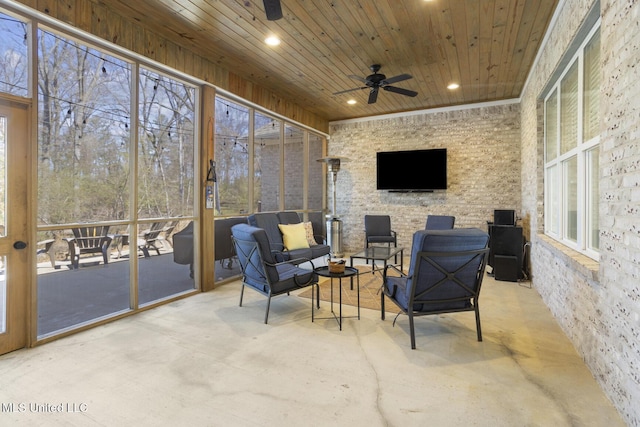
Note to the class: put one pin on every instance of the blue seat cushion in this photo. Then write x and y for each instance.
(291, 278)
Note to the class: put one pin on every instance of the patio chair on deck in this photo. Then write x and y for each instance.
(168, 230)
(89, 240)
(150, 239)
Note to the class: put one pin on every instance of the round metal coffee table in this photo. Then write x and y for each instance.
(349, 272)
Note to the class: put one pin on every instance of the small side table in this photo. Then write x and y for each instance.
(349, 272)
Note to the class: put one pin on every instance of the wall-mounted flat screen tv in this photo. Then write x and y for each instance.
(413, 170)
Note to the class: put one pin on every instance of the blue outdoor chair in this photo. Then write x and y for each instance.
(445, 275)
(261, 272)
(439, 222)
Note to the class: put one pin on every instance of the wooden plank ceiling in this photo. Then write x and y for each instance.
(487, 46)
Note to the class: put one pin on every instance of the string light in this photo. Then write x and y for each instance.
(89, 51)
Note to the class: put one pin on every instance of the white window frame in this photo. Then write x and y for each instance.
(557, 208)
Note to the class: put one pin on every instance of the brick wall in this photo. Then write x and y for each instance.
(483, 149)
(596, 304)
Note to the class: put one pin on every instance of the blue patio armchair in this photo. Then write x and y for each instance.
(260, 270)
(445, 275)
(440, 222)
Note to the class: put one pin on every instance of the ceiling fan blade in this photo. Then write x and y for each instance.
(273, 9)
(400, 90)
(373, 96)
(349, 90)
(396, 79)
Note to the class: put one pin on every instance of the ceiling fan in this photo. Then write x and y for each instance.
(376, 81)
(273, 9)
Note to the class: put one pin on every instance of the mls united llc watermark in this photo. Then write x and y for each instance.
(43, 408)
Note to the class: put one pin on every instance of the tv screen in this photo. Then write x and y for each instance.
(413, 170)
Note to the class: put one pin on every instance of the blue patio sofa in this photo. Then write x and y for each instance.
(269, 222)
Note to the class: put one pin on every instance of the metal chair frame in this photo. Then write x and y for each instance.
(248, 263)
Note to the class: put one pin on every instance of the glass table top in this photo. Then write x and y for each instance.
(378, 252)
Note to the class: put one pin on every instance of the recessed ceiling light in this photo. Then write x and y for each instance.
(453, 86)
(351, 101)
(272, 41)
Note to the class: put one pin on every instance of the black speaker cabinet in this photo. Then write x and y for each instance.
(506, 267)
(506, 245)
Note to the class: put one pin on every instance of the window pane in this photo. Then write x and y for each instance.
(591, 113)
(315, 173)
(571, 198)
(572, 123)
(293, 168)
(83, 177)
(552, 199)
(551, 127)
(83, 134)
(593, 189)
(14, 76)
(166, 147)
(166, 173)
(232, 158)
(266, 164)
(569, 110)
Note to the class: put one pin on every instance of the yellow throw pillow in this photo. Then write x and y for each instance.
(310, 237)
(294, 236)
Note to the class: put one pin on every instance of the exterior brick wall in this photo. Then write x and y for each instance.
(620, 207)
(596, 303)
(483, 168)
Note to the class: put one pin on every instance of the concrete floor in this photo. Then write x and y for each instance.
(204, 361)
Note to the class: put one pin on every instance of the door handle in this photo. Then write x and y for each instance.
(19, 245)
